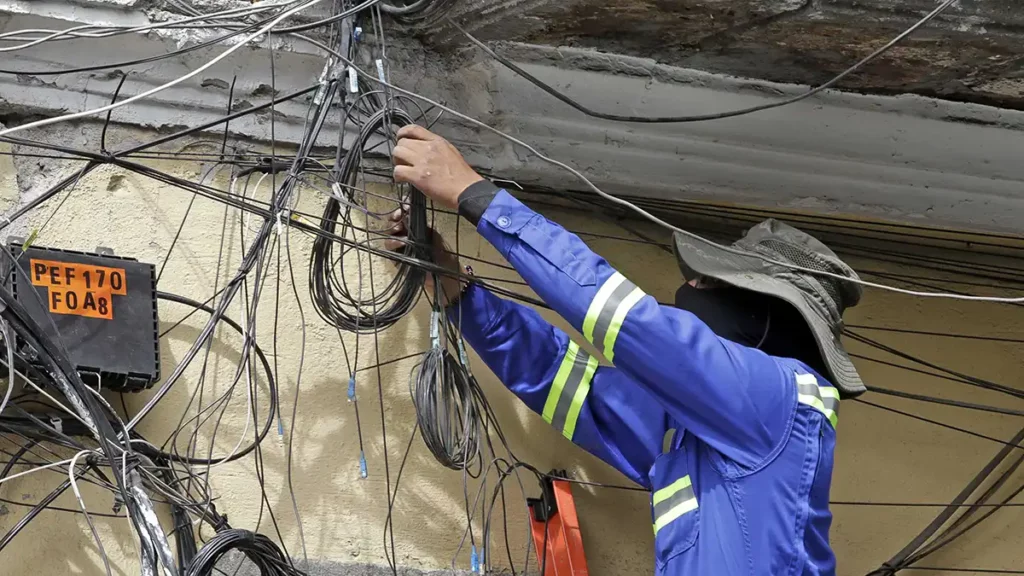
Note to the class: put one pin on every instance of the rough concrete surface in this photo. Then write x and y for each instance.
(907, 158)
(795, 41)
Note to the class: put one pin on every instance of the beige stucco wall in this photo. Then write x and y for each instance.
(881, 456)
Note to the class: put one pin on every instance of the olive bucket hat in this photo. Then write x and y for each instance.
(820, 299)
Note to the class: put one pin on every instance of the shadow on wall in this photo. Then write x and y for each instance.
(881, 456)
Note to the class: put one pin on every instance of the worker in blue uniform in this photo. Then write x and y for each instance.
(724, 406)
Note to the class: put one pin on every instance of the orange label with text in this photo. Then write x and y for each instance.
(80, 289)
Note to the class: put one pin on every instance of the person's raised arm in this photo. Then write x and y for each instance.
(737, 399)
(596, 407)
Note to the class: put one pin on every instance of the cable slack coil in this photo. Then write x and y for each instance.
(328, 277)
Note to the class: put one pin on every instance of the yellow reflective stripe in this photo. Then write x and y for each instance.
(671, 489)
(603, 294)
(830, 392)
(825, 399)
(674, 514)
(578, 398)
(560, 378)
(617, 320)
(666, 442)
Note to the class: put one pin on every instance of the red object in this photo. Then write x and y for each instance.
(553, 520)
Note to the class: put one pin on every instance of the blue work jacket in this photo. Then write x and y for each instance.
(735, 446)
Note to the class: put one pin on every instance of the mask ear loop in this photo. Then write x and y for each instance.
(767, 327)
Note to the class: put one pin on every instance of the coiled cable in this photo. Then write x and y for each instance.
(333, 300)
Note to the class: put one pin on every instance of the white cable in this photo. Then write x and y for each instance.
(146, 94)
(77, 31)
(36, 469)
(651, 217)
(9, 344)
(85, 511)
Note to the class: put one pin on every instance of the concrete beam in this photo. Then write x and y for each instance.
(907, 158)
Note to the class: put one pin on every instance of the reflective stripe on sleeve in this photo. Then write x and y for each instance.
(666, 441)
(673, 501)
(569, 390)
(825, 399)
(616, 297)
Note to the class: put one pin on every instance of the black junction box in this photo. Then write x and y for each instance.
(103, 306)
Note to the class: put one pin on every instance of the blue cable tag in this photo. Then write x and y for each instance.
(352, 387)
(362, 464)
(474, 561)
(483, 562)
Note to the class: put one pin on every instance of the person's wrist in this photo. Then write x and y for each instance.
(462, 186)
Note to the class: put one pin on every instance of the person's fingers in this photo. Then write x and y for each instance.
(394, 243)
(397, 228)
(396, 216)
(403, 154)
(416, 132)
(406, 174)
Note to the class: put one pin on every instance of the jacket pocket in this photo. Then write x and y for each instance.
(548, 242)
(675, 511)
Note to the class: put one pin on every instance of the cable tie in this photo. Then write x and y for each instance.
(353, 80)
(352, 387)
(280, 227)
(435, 320)
(380, 70)
(474, 561)
(322, 90)
(463, 357)
(57, 424)
(362, 464)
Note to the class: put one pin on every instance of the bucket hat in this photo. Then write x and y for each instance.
(821, 300)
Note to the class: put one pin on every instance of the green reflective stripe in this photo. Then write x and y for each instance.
(674, 514)
(577, 399)
(620, 316)
(560, 377)
(604, 316)
(616, 297)
(673, 501)
(825, 399)
(603, 294)
(569, 390)
(666, 442)
(667, 491)
(830, 398)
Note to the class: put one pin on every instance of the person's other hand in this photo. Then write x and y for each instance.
(451, 286)
(432, 165)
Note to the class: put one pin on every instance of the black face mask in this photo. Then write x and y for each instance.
(754, 320)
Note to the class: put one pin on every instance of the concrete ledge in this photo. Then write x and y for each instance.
(910, 158)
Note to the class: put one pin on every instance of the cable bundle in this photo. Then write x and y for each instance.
(329, 288)
(259, 549)
(447, 400)
(416, 12)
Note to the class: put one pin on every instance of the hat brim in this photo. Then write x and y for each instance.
(697, 258)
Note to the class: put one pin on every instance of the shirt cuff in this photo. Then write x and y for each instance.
(475, 199)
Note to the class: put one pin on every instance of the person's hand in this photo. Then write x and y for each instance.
(432, 165)
(451, 286)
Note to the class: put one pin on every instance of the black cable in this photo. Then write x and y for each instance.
(257, 548)
(701, 117)
(332, 299)
(446, 399)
